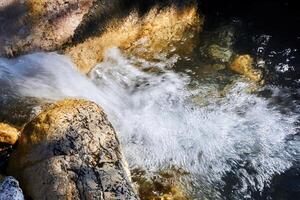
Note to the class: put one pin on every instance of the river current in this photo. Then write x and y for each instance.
(227, 136)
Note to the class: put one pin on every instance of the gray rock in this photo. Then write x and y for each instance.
(70, 151)
(10, 190)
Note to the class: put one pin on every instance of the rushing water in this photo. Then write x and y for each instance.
(224, 135)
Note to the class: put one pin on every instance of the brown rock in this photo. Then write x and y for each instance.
(39, 24)
(162, 185)
(244, 65)
(70, 151)
(168, 30)
(51, 25)
(8, 134)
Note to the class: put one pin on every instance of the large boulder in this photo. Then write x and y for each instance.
(70, 151)
(85, 29)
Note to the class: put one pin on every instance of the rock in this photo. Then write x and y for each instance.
(39, 24)
(244, 65)
(162, 185)
(219, 54)
(70, 151)
(20, 110)
(10, 190)
(168, 30)
(68, 26)
(8, 134)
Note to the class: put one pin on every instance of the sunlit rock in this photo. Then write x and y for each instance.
(10, 189)
(169, 30)
(70, 151)
(8, 134)
(39, 24)
(244, 65)
(55, 25)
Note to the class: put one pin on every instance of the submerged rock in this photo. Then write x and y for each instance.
(244, 65)
(219, 54)
(162, 185)
(70, 151)
(8, 134)
(10, 190)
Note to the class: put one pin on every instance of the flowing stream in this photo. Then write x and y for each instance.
(221, 135)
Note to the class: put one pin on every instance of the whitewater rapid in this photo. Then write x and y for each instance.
(159, 124)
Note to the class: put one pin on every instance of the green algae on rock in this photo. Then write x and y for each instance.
(219, 53)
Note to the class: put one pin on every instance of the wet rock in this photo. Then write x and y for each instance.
(8, 134)
(19, 110)
(68, 26)
(162, 185)
(70, 151)
(10, 190)
(168, 30)
(219, 54)
(244, 65)
(8, 137)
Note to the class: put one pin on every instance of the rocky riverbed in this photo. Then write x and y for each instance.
(172, 99)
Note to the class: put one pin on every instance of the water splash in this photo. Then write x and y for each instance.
(160, 126)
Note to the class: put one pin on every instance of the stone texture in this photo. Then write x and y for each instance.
(56, 25)
(10, 189)
(168, 30)
(244, 65)
(39, 24)
(165, 184)
(70, 151)
(8, 134)
(219, 54)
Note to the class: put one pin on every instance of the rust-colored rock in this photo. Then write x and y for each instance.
(244, 65)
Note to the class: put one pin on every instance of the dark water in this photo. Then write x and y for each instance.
(269, 31)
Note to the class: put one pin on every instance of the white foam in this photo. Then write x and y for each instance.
(157, 123)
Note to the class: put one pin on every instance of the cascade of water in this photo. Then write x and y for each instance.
(158, 124)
